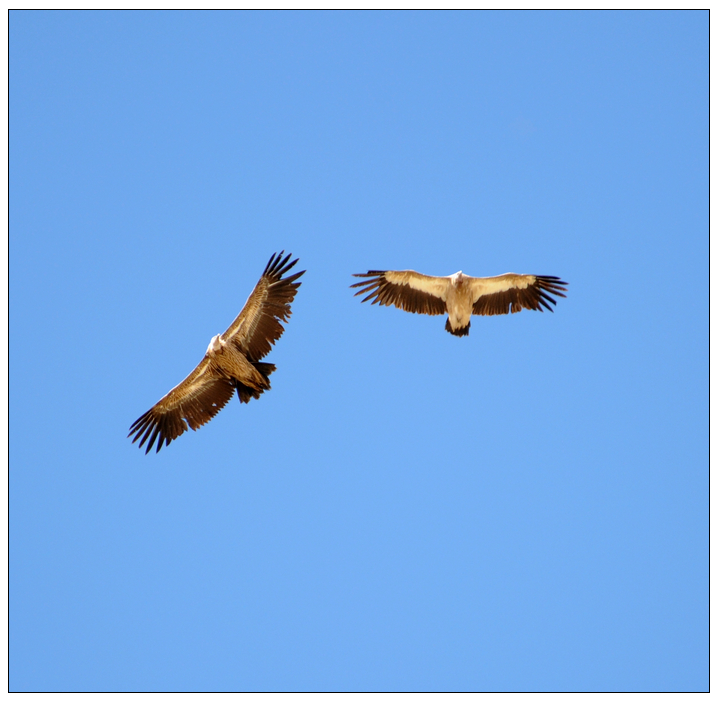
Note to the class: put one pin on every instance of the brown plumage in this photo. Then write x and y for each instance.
(232, 362)
(459, 295)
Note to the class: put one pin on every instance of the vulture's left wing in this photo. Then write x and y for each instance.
(513, 292)
(259, 324)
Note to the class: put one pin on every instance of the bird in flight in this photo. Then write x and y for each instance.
(459, 295)
(232, 362)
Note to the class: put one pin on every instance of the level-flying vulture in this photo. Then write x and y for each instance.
(232, 361)
(460, 295)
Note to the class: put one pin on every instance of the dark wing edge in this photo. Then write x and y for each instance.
(533, 297)
(275, 308)
(165, 424)
(404, 297)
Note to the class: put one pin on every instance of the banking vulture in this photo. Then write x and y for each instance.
(232, 362)
(460, 295)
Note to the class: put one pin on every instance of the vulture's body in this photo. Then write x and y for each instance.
(232, 362)
(459, 295)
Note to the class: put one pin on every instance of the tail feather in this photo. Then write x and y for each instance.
(461, 331)
(266, 369)
(245, 393)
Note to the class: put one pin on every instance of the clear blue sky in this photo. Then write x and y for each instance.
(522, 509)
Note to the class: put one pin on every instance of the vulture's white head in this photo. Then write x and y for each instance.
(457, 279)
(215, 345)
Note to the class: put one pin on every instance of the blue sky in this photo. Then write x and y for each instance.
(525, 508)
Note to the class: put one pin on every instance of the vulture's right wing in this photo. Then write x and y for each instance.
(407, 290)
(193, 402)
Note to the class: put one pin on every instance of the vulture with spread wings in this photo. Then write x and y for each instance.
(460, 295)
(232, 361)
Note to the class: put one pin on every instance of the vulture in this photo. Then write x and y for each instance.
(232, 362)
(460, 295)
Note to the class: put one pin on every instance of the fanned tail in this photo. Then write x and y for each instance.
(462, 331)
(245, 393)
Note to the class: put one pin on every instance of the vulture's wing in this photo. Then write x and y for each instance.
(513, 292)
(258, 325)
(407, 290)
(193, 402)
